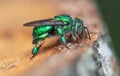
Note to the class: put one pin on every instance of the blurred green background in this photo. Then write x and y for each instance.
(111, 14)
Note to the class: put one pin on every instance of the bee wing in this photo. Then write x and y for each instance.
(43, 22)
(37, 23)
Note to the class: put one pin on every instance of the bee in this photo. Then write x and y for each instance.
(58, 25)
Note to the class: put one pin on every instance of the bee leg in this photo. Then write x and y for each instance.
(34, 51)
(87, 32)
(38, 41)
(36, 48)
(75, 37)
(63, 39)
(81, 35)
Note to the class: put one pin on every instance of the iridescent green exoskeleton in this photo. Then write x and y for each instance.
(59, 25)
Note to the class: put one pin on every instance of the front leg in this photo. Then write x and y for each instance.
(63, 39)
(82, 34)
(88, 32)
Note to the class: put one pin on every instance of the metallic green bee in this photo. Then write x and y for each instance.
(59, 25)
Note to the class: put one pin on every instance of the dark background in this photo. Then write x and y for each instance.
(110, 10)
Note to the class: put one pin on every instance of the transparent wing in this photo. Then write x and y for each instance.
(43, 22)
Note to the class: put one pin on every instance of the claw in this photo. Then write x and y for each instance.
(67, 47)
(32, 56)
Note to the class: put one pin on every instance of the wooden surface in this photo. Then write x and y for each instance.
(53, 59)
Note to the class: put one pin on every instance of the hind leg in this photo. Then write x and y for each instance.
(38, 41)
